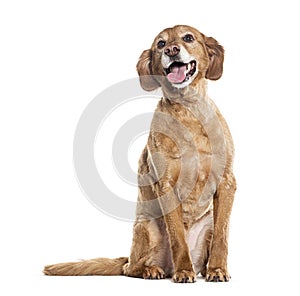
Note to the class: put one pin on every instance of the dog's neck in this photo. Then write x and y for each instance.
(195, 99)
(191, 94)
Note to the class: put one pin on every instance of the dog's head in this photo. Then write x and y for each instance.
(178, 58)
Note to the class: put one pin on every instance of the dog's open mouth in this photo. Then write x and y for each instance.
(179, 72)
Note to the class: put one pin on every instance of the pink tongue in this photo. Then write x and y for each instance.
(177, 75)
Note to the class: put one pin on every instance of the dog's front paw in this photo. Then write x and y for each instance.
(154, 273)
(184, 276)
(217, 275)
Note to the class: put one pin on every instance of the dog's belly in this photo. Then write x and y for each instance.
(198, 239)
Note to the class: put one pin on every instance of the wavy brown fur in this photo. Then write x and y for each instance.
(182, 220)
(98, 266)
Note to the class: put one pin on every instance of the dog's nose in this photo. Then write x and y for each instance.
(172, 50)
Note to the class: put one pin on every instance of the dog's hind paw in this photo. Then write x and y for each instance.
(154, 273)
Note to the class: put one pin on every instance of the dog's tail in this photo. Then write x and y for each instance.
(98, 266)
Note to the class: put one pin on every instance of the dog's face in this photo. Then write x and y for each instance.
(179, 58)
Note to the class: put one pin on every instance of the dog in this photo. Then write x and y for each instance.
(186, 181)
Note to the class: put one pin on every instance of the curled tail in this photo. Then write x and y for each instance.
(98, 266)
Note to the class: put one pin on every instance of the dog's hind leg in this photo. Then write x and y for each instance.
(148, 258)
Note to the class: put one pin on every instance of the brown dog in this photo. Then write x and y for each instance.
(186, 183)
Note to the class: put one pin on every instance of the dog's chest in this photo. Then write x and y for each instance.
(192, 143)
(197, 156)
(200, 179)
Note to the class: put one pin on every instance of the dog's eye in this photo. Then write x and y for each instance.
(161, 44)
(188, 38)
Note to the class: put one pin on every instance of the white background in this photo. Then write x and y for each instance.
(56, 56)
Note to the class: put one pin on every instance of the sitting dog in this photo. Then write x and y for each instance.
(186, 183)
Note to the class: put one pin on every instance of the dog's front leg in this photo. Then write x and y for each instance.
(223, 199)
(166, 165)
(183, 268)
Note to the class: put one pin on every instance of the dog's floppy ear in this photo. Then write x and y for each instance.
(143, 68)
(216, 58)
